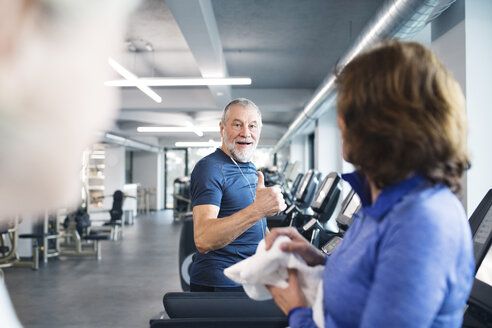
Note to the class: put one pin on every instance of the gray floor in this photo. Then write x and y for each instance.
(124, 289)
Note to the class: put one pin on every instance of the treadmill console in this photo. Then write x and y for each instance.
(479, 311)
(351, 204)
(329, 247)
(327, 196)
(295, 184)
(301, 191)
(482, 230)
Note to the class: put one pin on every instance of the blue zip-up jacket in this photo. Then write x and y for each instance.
(406, 261)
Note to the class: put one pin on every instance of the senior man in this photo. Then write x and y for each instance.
(229, 200)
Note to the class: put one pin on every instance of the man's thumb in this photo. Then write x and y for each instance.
(261, 181)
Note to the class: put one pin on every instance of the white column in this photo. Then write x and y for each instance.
(160, 181)
(478, 26)
(328, 144)
(114, 172)
(145, 172)
(462, 43)
(298, 152)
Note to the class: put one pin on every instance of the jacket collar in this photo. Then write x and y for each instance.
(389, 196)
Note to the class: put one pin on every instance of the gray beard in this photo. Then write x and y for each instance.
(240, 156)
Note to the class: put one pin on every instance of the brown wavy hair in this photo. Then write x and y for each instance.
(404, 113)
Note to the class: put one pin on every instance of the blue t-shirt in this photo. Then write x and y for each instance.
(216, 180)
(406, 261)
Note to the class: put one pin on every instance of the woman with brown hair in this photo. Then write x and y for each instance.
(407, 259)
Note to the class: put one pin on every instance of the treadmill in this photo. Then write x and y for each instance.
(303, 196)
(323, 206)
(216, 310)
(328, 240)
(479, 306)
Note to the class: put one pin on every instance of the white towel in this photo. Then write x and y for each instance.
(270, 268)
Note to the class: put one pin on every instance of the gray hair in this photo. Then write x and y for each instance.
(244, 103)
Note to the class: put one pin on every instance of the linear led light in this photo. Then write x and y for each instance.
(130, 77)
(174, 129)
(182, 81)
(197, 131)
(98, 156)
(210, 143)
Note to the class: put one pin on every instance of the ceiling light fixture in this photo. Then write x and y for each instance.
(130, 77)
(131, 47)
(149, 47)
(98, 156)
(179, 81)
(209, 143)
(175, 129)
(197, 131)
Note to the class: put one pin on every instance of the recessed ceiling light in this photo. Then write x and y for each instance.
(179, 81)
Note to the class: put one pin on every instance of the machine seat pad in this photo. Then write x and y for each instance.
(240, 322)
(218, 304)
(97, 237)
(113, 223)
(33, 235)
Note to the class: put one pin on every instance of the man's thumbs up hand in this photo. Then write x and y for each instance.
(261, 181)
(268, 200)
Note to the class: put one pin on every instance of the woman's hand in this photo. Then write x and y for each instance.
(290, 297)
(299, 245)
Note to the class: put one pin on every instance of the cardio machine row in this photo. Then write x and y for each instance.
(312, 203)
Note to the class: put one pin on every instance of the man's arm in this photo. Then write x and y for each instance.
(211, 233)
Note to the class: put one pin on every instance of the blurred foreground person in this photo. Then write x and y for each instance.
(407, 258)
(53, 63)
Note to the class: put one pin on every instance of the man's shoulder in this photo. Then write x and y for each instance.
(210, 165)
(211, 161)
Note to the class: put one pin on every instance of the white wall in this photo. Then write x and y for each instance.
(160, 181)
(114, 172)
(450, 48)
(298, 152)
(465, 50)
(148, 172)
(478, 26)
(328, 144)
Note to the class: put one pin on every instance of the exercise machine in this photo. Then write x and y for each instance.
(235, 310)
(304, 194)
(181, 198)
(9, 243)
(289, 193)
(327, 240)
(323, 205)
(77, 237)
(219, 310)
(187, 251)
(478, 312)
(115, 226)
